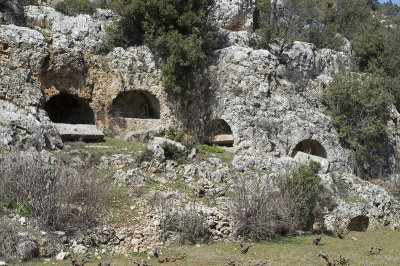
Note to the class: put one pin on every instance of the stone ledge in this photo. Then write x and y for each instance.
(82, 132)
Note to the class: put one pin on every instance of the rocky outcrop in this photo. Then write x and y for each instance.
(270, 100)
(360, 205)
(234, 15)
(23, 48)
(22, 122)
(87, 32)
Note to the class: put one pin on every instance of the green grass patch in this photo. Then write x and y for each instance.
(279, 251)
(122, 207)
(116, 146)
(213, 149)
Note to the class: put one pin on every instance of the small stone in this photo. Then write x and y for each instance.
(136, 241)
(22, 221)
(353, 238)
(63, 255)
(121, 236)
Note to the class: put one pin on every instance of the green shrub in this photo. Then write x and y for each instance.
(29, 2)
(359, 107)
(23, 208)
(172, 152)
(305, 188)
(261, 212)
(75, 7)
(176, 134)
(312, 21)
(213, 149)
(180, 31)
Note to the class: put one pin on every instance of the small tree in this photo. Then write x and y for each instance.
(359, 107)
(179, 30)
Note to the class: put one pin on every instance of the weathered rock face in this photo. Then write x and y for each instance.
(360, 205)
(63, 55)
(271, 106)
(235, 15)
(87, 32)
(11, 12)
(22, 122)
(22, 47)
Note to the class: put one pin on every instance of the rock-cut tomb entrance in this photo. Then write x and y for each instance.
(69, 109)
(220, 133)
(311, 147)
(135, 104)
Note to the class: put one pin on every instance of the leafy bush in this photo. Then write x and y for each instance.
(75, 7)
(359, 107)
(172, 152)
(22, 208)
(262, 212)
(180, 31)
(312, 21)
(60, 198)
(213, 149)
(29, 2)
(188, 225)
(176, 134)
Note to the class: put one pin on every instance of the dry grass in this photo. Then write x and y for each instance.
(283, 251)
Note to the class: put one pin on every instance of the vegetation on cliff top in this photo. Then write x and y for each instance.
(180, 31)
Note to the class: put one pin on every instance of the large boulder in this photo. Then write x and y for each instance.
(359, 205)
(22, 122)
(22, 47)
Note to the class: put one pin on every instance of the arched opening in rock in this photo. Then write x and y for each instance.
(136, 104)
(311, 147)
(69, 109)
(220, 133)
(359, 223)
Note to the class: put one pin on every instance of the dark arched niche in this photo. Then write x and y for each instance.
(69, 109)
(359, 223)
(311, 147)
(220, 133)
(135, 104)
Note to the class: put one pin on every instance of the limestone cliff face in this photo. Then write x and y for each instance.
(268, 101)
(271, 101)
(23, 123)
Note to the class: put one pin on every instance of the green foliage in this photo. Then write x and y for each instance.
(23, 208)
(261, 212)
(180, 31)
(359, 107)
(351, 15)
(177, 134)
(172, 152)
(75, 7)
(305, 188)
(312, 21)
(29, 2)
(212, 149)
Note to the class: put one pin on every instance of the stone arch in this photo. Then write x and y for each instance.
(69, 109)
(135, 104)
(219, 132)
(359, 223)
(310, 146)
